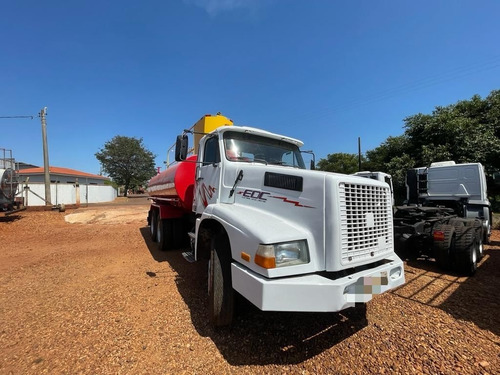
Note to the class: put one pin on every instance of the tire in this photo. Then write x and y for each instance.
(165, 235)
(457, 223)
(480, 248)
(487, 233)
(478, 226)
(178, 233)
(443, 249)
(153, 225)
(220, 289)
(467, 249)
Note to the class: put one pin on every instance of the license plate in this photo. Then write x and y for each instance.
(365, 287)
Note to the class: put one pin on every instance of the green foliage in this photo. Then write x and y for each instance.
(339, 163)
(127, 161)
(112, 183)
(468, 131)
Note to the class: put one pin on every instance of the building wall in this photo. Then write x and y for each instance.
(66, 193)
(40, 178)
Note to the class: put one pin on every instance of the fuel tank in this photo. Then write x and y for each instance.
(175, 184)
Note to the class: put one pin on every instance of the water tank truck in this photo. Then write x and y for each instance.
(279, 235)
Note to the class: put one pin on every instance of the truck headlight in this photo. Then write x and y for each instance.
(282, 254)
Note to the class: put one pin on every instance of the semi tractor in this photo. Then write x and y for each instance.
(284, 237)
(447, 215)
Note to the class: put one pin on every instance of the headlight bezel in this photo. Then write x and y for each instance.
(282, 254)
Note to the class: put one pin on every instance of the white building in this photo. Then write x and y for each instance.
(67, 186)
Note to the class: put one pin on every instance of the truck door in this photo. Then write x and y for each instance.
(208, 175)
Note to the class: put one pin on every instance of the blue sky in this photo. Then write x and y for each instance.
(324, 71)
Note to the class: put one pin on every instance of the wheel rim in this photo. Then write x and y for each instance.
(152, 225)
(159, 233)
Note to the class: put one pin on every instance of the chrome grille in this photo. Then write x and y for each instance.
(366, 222)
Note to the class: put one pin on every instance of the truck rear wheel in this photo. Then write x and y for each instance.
(478, 226)
(165, 234)
(153, 225)
(443, 248)
(467, 250)
(178, 233)
(220, 289)
(487, 233)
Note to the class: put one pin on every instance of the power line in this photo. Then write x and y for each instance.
(30, 117)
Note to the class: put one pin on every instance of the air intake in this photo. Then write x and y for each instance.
(283, 181)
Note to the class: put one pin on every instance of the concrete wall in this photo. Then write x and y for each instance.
(66, 194)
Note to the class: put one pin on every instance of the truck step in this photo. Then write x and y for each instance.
(189, 256)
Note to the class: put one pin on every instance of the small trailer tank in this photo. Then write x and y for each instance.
(8, 180)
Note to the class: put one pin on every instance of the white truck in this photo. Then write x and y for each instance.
(379, 176)
(283, 237)
(447, 215)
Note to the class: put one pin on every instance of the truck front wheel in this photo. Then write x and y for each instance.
(220, 289)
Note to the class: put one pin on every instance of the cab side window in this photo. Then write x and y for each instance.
(211, 152)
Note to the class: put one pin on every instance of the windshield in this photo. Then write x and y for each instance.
(248, 147)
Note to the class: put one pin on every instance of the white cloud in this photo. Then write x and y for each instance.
(213, 7)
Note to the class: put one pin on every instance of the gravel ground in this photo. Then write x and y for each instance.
(85, 292)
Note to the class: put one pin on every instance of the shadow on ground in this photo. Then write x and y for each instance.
(256, 337)
(9, 218)
(475, 299)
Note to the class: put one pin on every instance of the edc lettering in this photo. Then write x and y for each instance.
(255, 194)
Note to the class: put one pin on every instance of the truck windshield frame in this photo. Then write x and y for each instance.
(248, 147)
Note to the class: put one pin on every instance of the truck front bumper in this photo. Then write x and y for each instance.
(316, 293)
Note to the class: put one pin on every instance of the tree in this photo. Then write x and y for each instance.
(392, 157)
(127, 161)
(340, 163)
(468, 131)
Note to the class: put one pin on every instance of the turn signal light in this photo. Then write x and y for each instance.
(265, 262)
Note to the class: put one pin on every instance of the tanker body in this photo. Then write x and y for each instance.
(171, 194)
(283, 237)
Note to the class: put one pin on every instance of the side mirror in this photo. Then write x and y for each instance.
(181, 147)
(312, 166)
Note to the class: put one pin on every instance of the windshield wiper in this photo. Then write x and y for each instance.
(238, 179)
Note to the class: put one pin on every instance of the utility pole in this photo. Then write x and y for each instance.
(43, 113)
(359, 154)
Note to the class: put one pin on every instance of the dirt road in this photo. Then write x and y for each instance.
(86, 292)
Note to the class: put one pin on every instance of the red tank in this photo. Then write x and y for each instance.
(175, 184)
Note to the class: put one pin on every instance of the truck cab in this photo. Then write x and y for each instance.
(284, 237)
(461, 187)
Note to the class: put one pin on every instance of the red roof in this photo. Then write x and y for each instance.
(60, 171)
